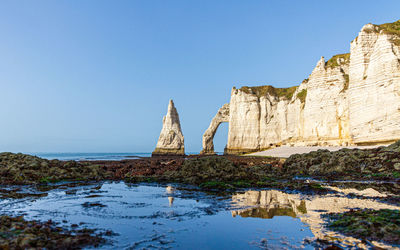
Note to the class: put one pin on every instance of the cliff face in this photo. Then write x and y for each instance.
(315, 113)
(374, 90)
(350, 99)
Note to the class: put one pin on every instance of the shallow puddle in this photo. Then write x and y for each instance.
(156, 216)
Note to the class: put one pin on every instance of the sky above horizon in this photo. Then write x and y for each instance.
(96, 76)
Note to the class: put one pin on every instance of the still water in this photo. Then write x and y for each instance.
(160, 217)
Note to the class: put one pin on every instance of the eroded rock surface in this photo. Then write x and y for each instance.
(221, 116)
(171, 140)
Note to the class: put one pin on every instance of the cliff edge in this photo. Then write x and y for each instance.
(351, 99)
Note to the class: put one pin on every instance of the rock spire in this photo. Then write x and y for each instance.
(171, 141)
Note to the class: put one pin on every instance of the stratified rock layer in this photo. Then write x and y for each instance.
(351, 99)
(171, 141)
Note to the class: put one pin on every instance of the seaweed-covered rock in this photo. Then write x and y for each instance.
(17, 233)
(381, 225)
(217, 169)
(27, 169)
(377, 163)
(394, 147)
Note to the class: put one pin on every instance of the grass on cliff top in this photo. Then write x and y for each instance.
(391, 28)
(286, 93)
(333, 62)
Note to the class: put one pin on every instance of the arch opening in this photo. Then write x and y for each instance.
(222, 116)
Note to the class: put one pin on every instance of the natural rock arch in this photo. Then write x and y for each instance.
(208, 136)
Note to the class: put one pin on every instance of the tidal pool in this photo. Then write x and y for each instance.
(160, 216)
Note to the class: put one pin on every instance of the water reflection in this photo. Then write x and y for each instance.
(309, 208)
(153, 216)
(170, 190)
(268, 204)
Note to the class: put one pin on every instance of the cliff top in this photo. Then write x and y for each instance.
(286, 93)
(391, 28)
(337, 60)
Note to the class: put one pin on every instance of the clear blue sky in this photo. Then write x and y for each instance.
(96, 76)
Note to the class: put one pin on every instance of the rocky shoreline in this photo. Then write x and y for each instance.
(211, 173)
(378, 164)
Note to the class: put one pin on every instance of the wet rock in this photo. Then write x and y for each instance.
(17, 233)
(377, 163)
(380, 225)
(27, 169)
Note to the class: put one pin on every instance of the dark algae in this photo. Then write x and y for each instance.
(18, 233)
(24, 169)
(369, 224)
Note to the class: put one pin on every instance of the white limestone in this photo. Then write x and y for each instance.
(221, 116)
(171, 140)
(352, 99)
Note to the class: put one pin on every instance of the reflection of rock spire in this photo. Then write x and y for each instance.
(171, 201)
(170, 190)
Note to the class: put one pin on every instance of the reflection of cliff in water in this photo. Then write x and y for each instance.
(268, 204)
(309, 208)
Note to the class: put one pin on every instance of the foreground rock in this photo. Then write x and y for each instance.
(381, 163)
(17, 233)
(171, 141)
(27, 169)
(219, 171)
(368, 224)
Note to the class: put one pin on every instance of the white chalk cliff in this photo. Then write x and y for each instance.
(171, 141)
(351, 99)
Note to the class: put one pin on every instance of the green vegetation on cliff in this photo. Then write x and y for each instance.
(286, 93)
(302, 95)
(346, 83)
(391, 28)
(337, 60)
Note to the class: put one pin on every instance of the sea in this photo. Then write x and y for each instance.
(91, 156)
(96, 156)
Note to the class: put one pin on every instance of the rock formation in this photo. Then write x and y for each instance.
(221, 116)
(171, 141)
(351, 99)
